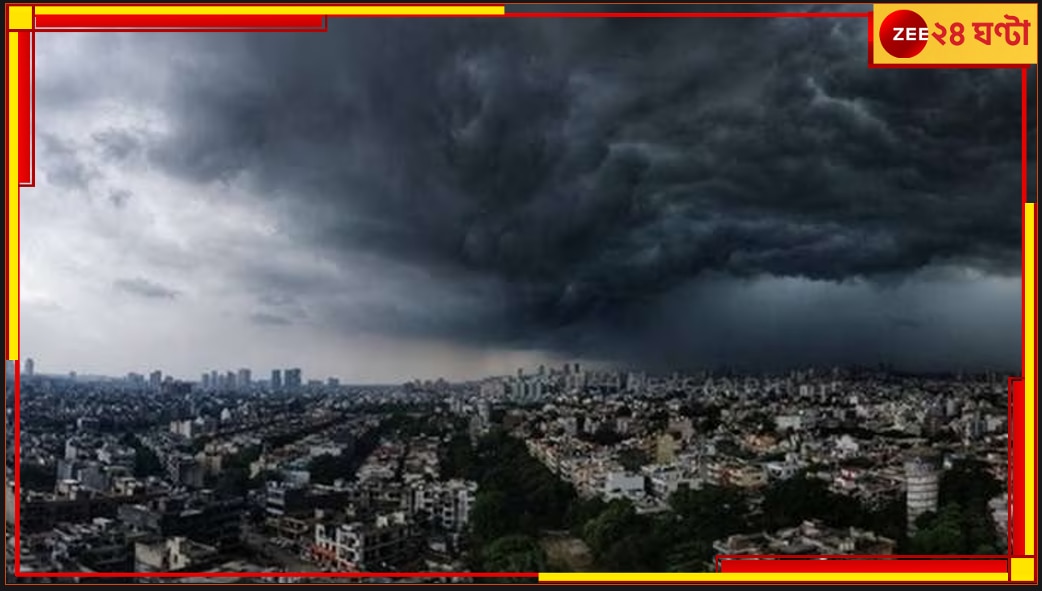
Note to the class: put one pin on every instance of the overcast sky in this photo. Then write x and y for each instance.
(421, 198)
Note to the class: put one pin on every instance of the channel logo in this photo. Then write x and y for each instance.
(955, 34)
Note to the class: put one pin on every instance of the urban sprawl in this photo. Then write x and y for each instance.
(551, 469)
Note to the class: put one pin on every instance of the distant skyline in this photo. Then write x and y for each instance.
(263, 375)
(409, 198)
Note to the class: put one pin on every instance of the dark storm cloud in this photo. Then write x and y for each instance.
(63, 164)
(145, 288)
(117, 145)
(583, 168)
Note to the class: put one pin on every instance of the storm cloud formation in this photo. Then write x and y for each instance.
(605, 188)
(145, 288)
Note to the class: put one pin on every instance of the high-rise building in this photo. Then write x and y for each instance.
(215, 381)
(229, 380)
(204, 381)
(276, 379)
(30, 367)
(244, 379)
(155, 379)
(922, 481)
(635, 381)
(292, 379)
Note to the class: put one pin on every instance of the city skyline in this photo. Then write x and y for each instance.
(267, 376)
(457, 203)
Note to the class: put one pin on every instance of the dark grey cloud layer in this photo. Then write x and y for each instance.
(145, 288)
(574, 176)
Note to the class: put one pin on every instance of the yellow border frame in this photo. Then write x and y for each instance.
(1022, 569)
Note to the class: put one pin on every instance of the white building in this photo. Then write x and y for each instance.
(847, 446)
(446, 503)
(364, 546)
(780, 470)
(666, 481)
(186, 429)
(170, 554)
(783, 422)
(619, 485)
(922, 483)
(325, 450)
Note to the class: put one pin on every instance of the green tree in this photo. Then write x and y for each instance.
(623, 540)
(939, 533)
(515, 554)
(955, 530)
(690, 556)
(970, 484)
(789, 502)
(492, 516)
(327, 468)
(458, 458)
(531, 496)
(634, 552)
(146, 462)
(889, 520)
(582, 511)
(234, 478)
(34, 476)
(633, 459)
(710, 513)
(610, 526)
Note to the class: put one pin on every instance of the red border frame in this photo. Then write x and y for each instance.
(307, 23)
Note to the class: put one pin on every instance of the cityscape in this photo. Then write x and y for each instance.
(550, 469)
(468, 299)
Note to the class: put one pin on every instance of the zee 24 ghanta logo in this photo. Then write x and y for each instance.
(904, 33)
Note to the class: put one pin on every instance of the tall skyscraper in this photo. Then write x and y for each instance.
(276, 379)
(30, 367)
(204, 381)
(155, 379)
(244, 378)
(215, 381)
(292, 379)
(229, 380)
